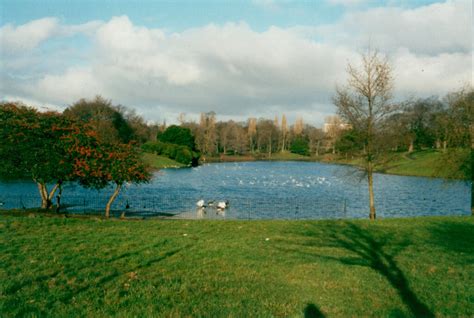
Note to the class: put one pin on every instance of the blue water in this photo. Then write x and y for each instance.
(264, 190)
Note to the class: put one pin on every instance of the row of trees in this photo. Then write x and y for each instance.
(53, 148)
(255, 136)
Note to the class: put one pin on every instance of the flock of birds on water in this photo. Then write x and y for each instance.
(220, 206)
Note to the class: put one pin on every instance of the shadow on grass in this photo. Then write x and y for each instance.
(16, 286)
(377, 252)
(68, 296)
(312, 311)
(454, 237)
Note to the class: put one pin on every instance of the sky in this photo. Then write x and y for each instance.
(240, 59)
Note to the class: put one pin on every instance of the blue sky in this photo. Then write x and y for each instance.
(180, 14)
(238, 58)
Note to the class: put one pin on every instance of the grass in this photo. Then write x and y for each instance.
(90, 267)
(289, 156)
(160, 162)
(421, 163)
(424, 163)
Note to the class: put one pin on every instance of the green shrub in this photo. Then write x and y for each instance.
(181, 154)
(300, 146)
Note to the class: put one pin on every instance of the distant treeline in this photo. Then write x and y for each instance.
(437, 123)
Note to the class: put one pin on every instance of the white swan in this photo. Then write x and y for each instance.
(222, 205)
(200, 204)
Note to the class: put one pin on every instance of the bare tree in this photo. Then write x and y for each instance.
(364, 102)
(298, 127)
(252, 132)
(206, 139)
(284, 132)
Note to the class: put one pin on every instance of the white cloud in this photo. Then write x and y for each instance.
(347, 2)
(27, 36)
(431, 75)
(431, 29)
(239, 72)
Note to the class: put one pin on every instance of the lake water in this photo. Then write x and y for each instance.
(264, 190)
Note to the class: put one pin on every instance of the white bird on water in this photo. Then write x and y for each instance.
(222, 205)
(200, 204)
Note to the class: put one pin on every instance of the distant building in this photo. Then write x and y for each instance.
(334, 124)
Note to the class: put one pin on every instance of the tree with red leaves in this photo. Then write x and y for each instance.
(104, 164)
(32, 148)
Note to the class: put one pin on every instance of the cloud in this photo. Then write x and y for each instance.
(347, 2)
(431, 75)
(239, 72)
(27, 36)
(432, 29)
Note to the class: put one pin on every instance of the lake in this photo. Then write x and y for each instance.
(264, 190)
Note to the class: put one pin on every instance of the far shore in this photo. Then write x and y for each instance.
(419, 164)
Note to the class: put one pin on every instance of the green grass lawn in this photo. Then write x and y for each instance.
(423, 163)
(160, 162)
(67, 267)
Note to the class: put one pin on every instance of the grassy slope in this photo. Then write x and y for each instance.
(76, 267)
(159, 162)
(421, 163)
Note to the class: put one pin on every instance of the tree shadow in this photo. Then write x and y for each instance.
(368, 250)
(312, 311)
(68, 296)
(455, 237)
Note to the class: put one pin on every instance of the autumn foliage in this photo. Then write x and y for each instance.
(50, 148)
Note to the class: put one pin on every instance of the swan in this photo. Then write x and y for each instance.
(222, 205)
(200, 204)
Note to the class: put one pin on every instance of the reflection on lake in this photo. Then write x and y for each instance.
(264, 190)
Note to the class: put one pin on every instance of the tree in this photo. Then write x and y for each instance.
(107, 120)
(267, 136)
(300, 146)
(252, 132)
(459, 160)
(284, 132)
(179, 136)
(298, 126)
(349, 142)
(99, 165)
(364, 102)
(206, 137)
(34, 147)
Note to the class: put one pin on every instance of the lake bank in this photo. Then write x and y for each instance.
(262, 190)
(77, 267)
(420, 163)
(423, 163)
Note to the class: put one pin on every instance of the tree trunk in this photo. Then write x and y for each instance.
(111, 200)
(46, 199)
(410, 147)
(370, 178)
(58, 198)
